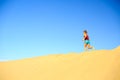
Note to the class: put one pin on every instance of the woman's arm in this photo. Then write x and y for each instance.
(84, 37)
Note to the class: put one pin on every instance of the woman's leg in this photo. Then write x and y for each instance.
(89, 46)
(85, 47)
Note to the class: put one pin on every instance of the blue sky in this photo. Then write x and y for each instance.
(30, 28)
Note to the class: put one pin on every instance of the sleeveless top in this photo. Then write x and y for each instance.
(86, 38)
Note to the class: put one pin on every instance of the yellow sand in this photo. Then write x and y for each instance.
(92, 65)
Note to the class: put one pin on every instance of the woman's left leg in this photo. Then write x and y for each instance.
(85, 47)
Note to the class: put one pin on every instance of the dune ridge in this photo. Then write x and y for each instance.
(92, 65)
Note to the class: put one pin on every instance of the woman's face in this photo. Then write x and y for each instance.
(84, 33)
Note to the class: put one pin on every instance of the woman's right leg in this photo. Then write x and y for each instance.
(90, 47)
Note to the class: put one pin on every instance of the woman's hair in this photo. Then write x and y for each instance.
(85, 31)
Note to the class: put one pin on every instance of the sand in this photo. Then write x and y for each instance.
(91, 65)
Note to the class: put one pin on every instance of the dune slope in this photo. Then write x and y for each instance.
(93, 65)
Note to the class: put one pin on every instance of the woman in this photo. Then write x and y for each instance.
(86, 41)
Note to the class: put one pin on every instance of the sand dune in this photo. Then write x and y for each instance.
(92, 65)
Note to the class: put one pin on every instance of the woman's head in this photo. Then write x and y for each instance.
(85, 31)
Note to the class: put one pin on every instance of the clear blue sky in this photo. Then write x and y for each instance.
(30, 28)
